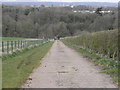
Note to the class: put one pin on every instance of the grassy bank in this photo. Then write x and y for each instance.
(108, 65)
(17, 68)
(104, 42)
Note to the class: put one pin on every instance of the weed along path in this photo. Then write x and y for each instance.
(63, 67)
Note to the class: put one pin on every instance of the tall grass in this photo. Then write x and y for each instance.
(104, 43)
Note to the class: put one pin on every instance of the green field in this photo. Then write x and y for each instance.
(11, 38)
(15, 38)
(17, 67)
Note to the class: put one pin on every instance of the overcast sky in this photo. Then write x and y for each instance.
(67, 0)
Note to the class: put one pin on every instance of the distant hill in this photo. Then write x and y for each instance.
(64, 3)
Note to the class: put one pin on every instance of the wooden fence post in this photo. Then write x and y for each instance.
(30, 42)
(2, 46)
(38, 42)
(26, 44)
(15, 44)
(7, 47)
(21, 44)
(18, 44)
(12, 46)
(34, 43)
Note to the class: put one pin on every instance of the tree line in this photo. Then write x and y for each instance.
(48, 22)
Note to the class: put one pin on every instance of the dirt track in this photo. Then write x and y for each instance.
(63, 67)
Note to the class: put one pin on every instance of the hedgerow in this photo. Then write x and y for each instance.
(104, 43)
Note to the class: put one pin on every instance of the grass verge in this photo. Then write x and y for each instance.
(109, 67)
(17, 68)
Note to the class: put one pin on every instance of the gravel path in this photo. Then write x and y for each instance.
(63, 67)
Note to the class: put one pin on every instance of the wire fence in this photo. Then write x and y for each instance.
(10, 46)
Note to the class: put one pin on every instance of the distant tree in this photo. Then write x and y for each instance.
(27, 11)
(49, 22)
(42, 5)
(98, 11)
